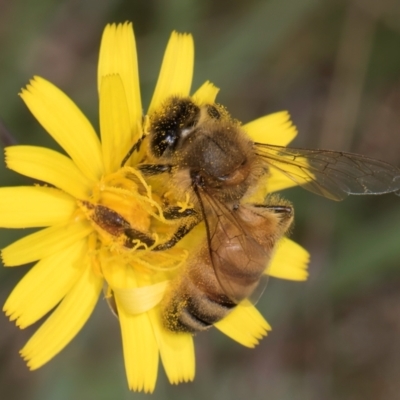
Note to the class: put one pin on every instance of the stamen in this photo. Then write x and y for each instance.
(185, 204)
(149, 194)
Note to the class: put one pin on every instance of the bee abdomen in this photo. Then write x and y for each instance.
(192, 309)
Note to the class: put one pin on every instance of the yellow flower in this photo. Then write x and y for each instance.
(76, 254)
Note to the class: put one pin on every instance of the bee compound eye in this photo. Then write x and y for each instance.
(163, 140)
(176, 121)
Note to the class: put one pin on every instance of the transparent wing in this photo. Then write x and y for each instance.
(331, 174)
(237, 258)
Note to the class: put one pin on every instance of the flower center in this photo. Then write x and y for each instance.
(129, 221)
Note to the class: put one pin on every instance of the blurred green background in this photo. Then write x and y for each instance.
(335, 65)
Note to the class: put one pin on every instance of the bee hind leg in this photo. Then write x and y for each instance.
(285, 212)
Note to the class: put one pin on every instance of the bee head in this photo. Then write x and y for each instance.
(173, 123)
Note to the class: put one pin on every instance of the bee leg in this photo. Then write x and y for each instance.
(154, 169)
(135, 235)
(279, 209)
(116, 225)
(175, 212)
(135, 147)
(180, 233)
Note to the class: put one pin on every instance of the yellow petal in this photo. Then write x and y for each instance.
(205, 94)
(245, 325)
(278, 181)
(44, 243)
(140, 350)
(290, 261)
(116, 134)
(118, 57)
(45, 285)
(65, 322)
(276, 129)
(139, 343)
(176, 70)
(63, 120)
(34, 206)
(176, 350)
(137, 300)
(48, 166)
(136, 292)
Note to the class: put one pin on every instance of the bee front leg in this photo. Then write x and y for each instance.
(154, 169)
(135, 147)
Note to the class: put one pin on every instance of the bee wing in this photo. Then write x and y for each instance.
(237, 258)
(331, 174)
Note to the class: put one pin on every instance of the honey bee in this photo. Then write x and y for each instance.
(208, 155)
